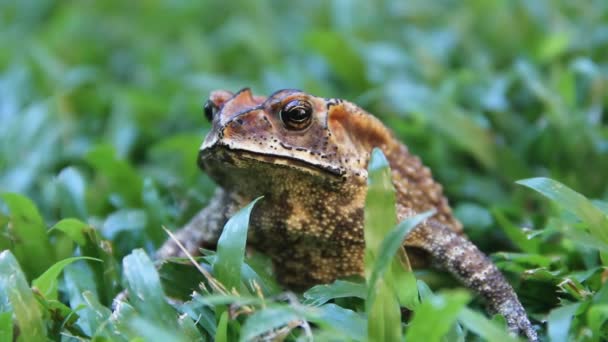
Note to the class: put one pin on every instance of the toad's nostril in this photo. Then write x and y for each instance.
(210, 109)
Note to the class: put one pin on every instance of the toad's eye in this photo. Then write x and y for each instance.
(210, 109)
(296, 114)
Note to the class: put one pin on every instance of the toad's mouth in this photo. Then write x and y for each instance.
(226, 154)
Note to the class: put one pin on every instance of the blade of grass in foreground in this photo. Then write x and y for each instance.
(32, 248)
(483, 327)
(47, 282)
(267, 320)
(146, 294)
(391, 245)
(321, 294)
(570, 200)
(436, 315)
(231, 248)
(395, 286)
(25, 307)
(6, 326)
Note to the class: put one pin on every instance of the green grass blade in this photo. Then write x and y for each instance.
(488, 330)
(597, 317)
(151, 331)
(436, 315)
(231, 248)
(202, 314)
(32, 247)
(516, 234)
(380, 212)
(572, 201)
(266, 320)
(221, 334)
(391, 244)
(122, 179)
(384, 293)
(145, 291)
(13, 284)
(98, 318)
(6, 326)
(466, 133)
(321, 294)
(384, 314)
(106, 273)
(559, 322)
(346, 322)
(73, 228)
(71, 188)
(47, 282)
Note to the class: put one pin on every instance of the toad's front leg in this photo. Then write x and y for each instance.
(465, 261)
(204, 229)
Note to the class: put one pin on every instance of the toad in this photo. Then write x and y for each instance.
(308, 157)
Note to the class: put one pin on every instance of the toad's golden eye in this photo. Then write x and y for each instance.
(210, 109)
(296, 115)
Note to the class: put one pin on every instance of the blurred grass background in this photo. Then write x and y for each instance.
(101, 102)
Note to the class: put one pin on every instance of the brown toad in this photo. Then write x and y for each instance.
(308, 157)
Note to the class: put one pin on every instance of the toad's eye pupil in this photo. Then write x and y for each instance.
(210, 109)
(296, 115)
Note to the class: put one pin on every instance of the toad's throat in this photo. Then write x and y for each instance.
(229, 154)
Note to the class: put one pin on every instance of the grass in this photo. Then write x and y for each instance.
(101, 118)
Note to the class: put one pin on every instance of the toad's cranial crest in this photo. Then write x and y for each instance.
(308, 157)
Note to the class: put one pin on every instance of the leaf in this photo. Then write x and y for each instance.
(123, 220)
(145, 291)
(71, 193)
(466, 133)
(535, 260)
(32, 247)
(321, 294)
(201, 313)
(380, 213)
(179, 280)
(79, 279)
(573, 202)
(100, 323)
(189, 330)
(62, 318)
(6, 326)
(391, 244)
(384, 314)
(221, 334)
(483, 327)
(13, 285)
(266, 320)
(340, 53)
(516, 234)
(156, 211)
(597, 317)
(106, 273)
(347, 322)
(434, 317)
(559, 321)
(151, 331)
(73, 228)
(47, 282)
(384, 293)
(122, 179)
(231, 248)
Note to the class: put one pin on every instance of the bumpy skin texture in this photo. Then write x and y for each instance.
(313, 180)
